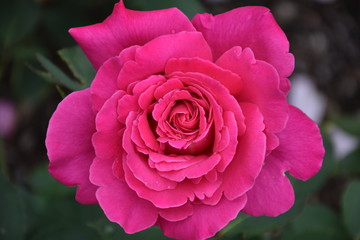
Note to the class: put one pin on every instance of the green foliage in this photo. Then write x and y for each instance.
(17, 18)
(189, 7)
(12, 211)
(316, 222)
(112, 231)
(351, 208)
(349, 124)
(78, 63)
(350, 165)
(56, 76)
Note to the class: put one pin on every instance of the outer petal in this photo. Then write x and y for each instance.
(272, 193)
(121, 205)
(124, 28)
(104, 84)
(301, 150)
(260, 86)
(68, 142)
(205, 222)
(107, 140)
(253, 27)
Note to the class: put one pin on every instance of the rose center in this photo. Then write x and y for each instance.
(184, 117)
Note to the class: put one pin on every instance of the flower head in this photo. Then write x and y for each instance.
(186, 122)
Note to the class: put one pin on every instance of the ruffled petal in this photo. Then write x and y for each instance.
(205, 221)
(229, 79)
(301, 150)
(107, 140)
(272, 193)
(249, 157)
(123, 206)
(124, 28)
(163, 48)
(69, 146)
(260, 86)
(253, 27)
(178, 213)
(104, 84)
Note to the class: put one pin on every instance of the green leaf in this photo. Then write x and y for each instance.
(351, 208)
(56, 75)
(3, 166)
(350, 165)
(78, 64)
(44, 185)
(17, 18)
(232, 229)
(68, 232)
(189, 7)
(316, 222)
(112, 231)
(27, 85)
(12, 211)
(254, 226)
(349, 124)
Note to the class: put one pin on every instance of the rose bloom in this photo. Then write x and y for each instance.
(186, 123)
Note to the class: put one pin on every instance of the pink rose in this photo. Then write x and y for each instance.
(186, 122)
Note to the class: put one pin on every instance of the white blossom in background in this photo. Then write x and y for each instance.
(305, 96)
(344, 143)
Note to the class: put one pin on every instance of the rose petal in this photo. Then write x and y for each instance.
(230, 80)
(121, 205)
(178, 213)
(101, 173)
(104, 84)
(137, 162)
(205, 222)
(124, 28)
(68, 142)
(163, 48)
(272, 193)
(301, 150)
(106, 140)
(253, 27)
(185, 191)
(205, 165)
(260, 86)
(227, 154)
(249, 157)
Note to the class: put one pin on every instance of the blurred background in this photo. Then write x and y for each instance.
(324, 36)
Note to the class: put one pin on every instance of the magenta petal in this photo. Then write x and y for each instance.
(260, 86)
(249, 157)
(205, 165)
(252, 27)
(107, 140)
(69, 146)
(124, 28)
(101, 173)
(301, 150)
(177, 213)
(229, 79)
(163, 48)
(272, 193)
(123, 206)
(104, 84)
(205, 222)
